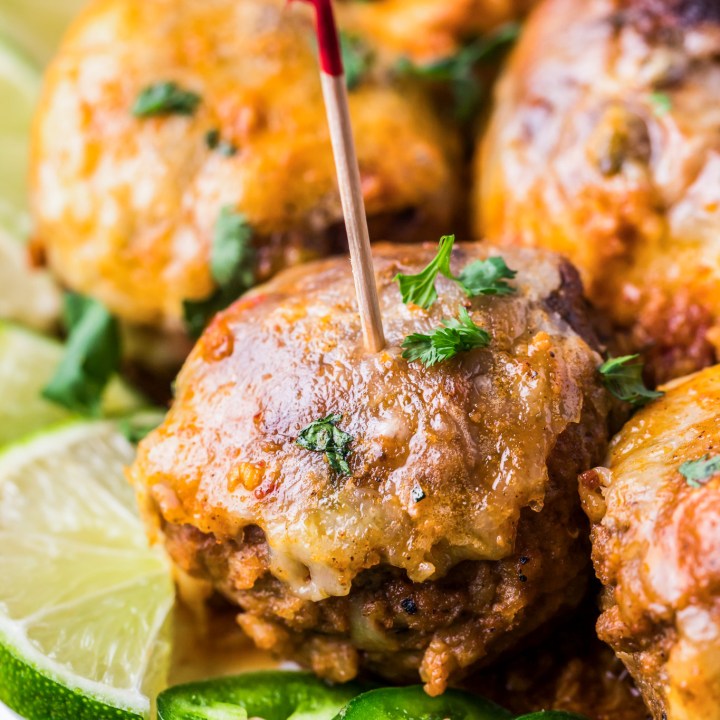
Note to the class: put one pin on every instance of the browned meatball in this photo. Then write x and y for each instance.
(604, 146)
(127, 207)
(458, 530)
(656, 544)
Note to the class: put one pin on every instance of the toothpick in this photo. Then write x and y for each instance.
(334, 89)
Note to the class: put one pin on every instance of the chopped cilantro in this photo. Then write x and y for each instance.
(92, 356)
(232, 265)
(324, 436)
(622, 376)
(357, 59)
(165, 98)
(456, 336)
(698, 472)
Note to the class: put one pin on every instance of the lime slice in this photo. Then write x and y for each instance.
(39, 24)
(19, 90)
(84, 603)
(27, 362)
(27, 296)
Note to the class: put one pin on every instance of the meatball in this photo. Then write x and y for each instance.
(458, 530)
(604, 146)
(427, 30)
(656, 543)
(126, 206)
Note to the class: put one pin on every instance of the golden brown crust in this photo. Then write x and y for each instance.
(604, 146)
(125, 207)
(655, 548)
(494, 438)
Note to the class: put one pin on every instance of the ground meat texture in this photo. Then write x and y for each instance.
(126, 207)
(322, 565)
(656, 543)
(604, 146)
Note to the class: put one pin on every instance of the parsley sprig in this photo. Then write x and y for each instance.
(455, 336)
(92, 356)
(481, 277)
(622, 376)
(698, 472)
(165, 98)
(232, 265)
(324, 436)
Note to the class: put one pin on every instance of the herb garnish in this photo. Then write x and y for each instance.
(486, 277)
(324, 436)
(481, 277)
(698, 472)
(356, 58)
(419, 289)
(456, 336)
(232, 265)
(459, 71)
(214, 141)
(622, 376)
(165, 98)
(92, 356)
(661, 102)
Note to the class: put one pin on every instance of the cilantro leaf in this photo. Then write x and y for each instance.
(232, 265)
(92, 356)
(459, 71)
(456, 336)
(357, 59)
(165, 98)
(324, 436)
(698, 472)
(420, 288)
(622, 376)
(486, 277)
(661, 102)
(214, 141)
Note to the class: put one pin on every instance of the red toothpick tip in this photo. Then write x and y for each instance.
(328, 43)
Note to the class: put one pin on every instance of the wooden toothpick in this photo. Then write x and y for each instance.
(332, 76)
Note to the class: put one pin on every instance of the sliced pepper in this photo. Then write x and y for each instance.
(412, 703)
(271, 695)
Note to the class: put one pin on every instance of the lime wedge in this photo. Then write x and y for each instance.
(27, 362)
(39, 24)
(19, 90)
(84, 603)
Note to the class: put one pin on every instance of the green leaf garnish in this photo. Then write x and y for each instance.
(324, 436)
(456, 336)
(661, 102)
(487, 277)
(459, 71)
(92, 356)
(420, 288)
(622, 376)
(232, 265)
(214, 141)
(165, 98)
(357, 59)
(481, 277)
(698, 472)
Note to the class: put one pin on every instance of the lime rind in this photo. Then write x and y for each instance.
(82, 616)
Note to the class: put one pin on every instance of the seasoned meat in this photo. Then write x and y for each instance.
(458, 530)
(656, 544)
(605, 146)
(126, 206)
(427, 30)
